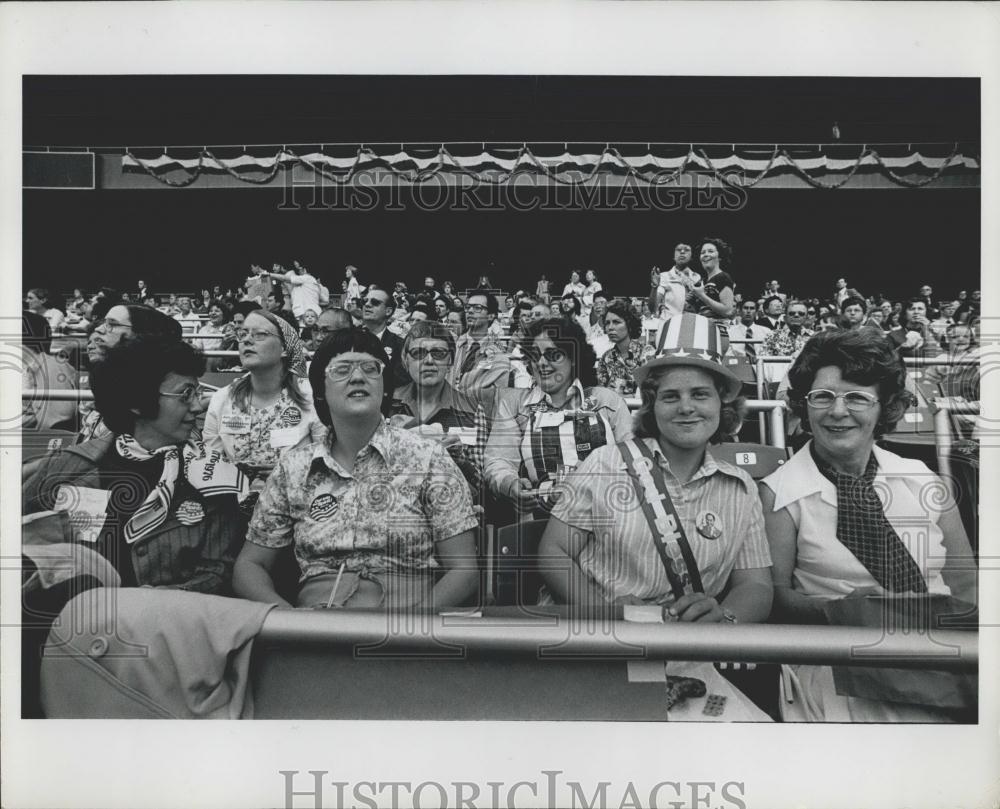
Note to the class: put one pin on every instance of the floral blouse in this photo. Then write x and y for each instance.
(254, 447)
(614, 369)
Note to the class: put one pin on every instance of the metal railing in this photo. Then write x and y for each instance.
(544, 635)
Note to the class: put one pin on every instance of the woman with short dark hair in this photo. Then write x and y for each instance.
(157, 503)
(840, 512)
(377, 515)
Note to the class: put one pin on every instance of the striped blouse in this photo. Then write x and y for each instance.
(621, 557)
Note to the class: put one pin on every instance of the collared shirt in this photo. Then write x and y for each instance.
(739, 331)
(621, 557)
(823, 565)
(519, 448)
(614, 369)
(490, 370)
(404, 495)
(688, 278)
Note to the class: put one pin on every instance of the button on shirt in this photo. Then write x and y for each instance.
(404, 495)
(621, 556)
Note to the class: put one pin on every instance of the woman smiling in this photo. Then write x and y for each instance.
(656, 519)
(841, 513)
(540, 433)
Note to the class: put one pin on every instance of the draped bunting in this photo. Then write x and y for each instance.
(742, 166)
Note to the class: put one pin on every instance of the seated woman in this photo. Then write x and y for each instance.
(217, 328)
(158, 505)
(375, 513)
(267, 411)
(627, 352)
(913, 336)
(429, 405)
(540, 433)
(608, 540)
(840, 513)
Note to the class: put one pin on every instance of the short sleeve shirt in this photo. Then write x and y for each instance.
(404, 495)
(621, 557)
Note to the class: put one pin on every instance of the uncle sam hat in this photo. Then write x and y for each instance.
(692, 340)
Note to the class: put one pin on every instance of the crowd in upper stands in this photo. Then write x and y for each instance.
(371, 430)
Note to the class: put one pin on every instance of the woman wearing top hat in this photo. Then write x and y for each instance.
(657, 519)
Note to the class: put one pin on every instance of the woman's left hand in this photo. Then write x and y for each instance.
(696, 607)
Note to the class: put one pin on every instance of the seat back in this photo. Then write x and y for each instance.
(39, 443)
(516, 577)
(757, 460)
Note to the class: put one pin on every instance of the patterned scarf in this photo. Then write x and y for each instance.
(206, 471)
(864, 530)
(295, 350)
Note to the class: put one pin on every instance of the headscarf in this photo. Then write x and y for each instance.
(295, 350)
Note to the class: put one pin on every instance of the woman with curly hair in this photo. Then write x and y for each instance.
(717, 294)
(657, 519)
(840, 513)
(540, 433)
(623, 328)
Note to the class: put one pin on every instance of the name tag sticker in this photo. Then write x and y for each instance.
(466, 434)
(87, 509)
(235, 423)
(550, 419)
(913, 418)
(284, 437)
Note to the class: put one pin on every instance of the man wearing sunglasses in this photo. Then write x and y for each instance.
(377, 308)
(786, 340)
(481, 359)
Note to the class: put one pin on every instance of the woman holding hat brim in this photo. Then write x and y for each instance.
(611, 526)
(269, 410)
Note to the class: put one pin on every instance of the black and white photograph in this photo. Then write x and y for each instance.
(479, 415)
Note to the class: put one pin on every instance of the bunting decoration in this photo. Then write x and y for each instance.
(826, 166)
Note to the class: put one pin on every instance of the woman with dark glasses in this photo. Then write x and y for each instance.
(378, 517)
(431, 406)
(541, 433)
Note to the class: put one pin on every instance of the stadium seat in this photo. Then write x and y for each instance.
(516, 577)
(757, 460)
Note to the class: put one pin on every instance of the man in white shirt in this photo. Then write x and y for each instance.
(747, 329)
(304, 287)
(190, 322)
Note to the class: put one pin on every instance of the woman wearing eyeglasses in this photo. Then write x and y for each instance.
(841, 513)
(377, 516)
(540, 433)
(149, 498)
(267, 411)
(432, 407)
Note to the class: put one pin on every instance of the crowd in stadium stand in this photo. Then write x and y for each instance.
(371, 429)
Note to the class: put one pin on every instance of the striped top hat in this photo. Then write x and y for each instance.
(692, 340)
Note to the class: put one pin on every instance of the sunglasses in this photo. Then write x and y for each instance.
(436, 354)
(551, 355)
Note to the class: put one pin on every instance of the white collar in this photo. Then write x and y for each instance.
(800, 477)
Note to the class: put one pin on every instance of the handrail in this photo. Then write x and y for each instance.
(557, 637)
(942, 408)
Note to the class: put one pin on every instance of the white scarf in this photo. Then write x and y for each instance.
(206, 471)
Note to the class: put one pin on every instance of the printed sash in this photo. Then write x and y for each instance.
(664, 523)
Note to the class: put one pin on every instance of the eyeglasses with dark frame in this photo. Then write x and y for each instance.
(856, 400)
(436, 354)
